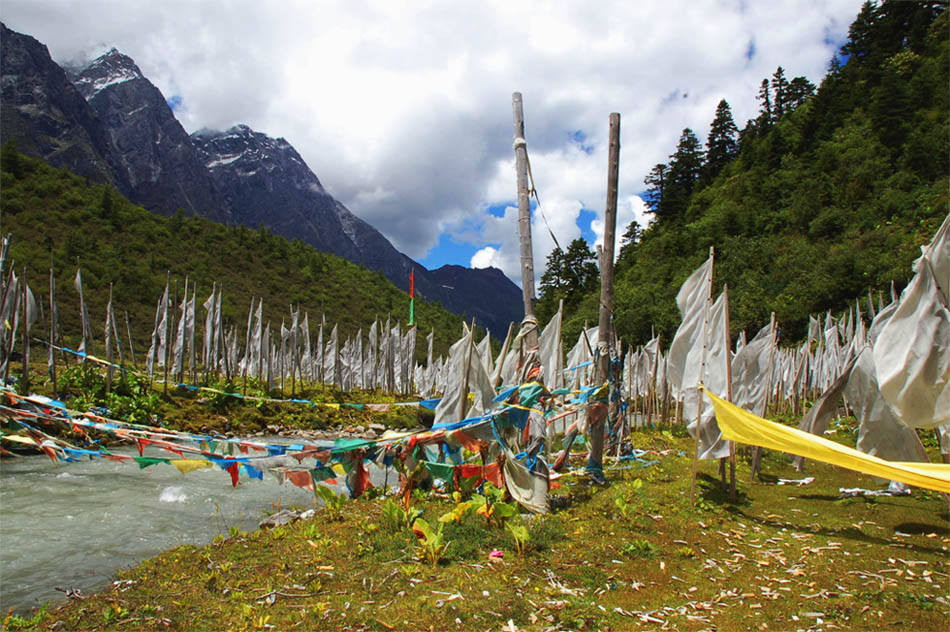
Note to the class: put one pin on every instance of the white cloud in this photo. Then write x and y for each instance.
(403, 109)
(484, 258)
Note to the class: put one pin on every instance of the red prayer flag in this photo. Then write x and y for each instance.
(233, 471)
(301, 478)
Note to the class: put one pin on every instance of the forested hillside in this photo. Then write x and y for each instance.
(828, 193)
(60, 217)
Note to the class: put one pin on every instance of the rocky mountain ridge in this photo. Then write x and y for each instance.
(107, 121)
(156, 154)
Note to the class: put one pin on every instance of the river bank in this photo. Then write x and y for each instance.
(634, 555)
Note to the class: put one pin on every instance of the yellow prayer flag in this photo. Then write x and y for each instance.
(742, 426)
(190, 465)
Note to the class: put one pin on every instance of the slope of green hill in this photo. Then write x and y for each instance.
(824, 196)
(55, 215)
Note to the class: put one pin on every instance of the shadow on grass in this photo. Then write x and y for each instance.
(830, 497)
(919, 528)
(712, 489)
(849, 533)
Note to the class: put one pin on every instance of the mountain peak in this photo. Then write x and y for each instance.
(108, 69)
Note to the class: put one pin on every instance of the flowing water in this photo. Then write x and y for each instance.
(74, 525)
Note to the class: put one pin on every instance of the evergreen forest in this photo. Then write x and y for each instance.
(825, 197)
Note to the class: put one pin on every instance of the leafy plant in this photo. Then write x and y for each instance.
(431, 544)
(623, 505)
(396, 518)
(491, 506)
(520, 534)
(639, 548)
(16, 622)
(332, 502)
(457, 513)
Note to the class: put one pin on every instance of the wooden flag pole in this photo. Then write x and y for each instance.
(108, 338)
(25, 382)
(128, 330)
(524, 217)
(604, 334)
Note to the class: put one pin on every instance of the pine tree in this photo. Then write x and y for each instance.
(686, 167)
(765, 106)
(780, 91)
(656, 186)
(799, 90)
(834, 66)
(747, 135)
(551, 281)
(579, 271)
(631, 235)
(860, 37)
(722, 142)
(629, 240)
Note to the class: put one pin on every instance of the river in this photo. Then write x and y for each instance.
(73, 525)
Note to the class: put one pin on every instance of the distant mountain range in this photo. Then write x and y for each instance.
(109, 123)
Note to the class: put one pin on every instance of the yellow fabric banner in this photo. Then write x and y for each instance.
(742, 426)
(190, 465)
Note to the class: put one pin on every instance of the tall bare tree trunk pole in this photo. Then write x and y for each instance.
(604, 332)
(524, 217)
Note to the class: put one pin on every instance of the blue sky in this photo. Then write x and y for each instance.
(452, 251)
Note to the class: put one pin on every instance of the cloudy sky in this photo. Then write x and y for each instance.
(403, 109)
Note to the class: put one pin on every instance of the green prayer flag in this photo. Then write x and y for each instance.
(322, 473)
(145, 461)
(440, 470)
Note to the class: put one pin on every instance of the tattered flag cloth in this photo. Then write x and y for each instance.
(744, 427)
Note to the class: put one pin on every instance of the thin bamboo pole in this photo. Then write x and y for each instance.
(25, 381)
(52, 327)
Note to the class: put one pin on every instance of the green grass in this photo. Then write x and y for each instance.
(779, 558)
